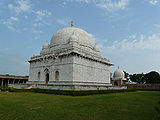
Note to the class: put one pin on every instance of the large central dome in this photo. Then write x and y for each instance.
(64, 35)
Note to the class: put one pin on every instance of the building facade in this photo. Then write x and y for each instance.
(70, 61)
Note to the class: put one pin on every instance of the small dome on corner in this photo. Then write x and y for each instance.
(96, 48)
(45, 45)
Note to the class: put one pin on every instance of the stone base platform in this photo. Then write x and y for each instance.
(68, 86)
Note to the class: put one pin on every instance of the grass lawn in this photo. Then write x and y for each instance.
(118, 106)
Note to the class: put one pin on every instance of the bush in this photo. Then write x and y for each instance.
(146, 89)
(5, 88)
(67, 92)
(74, 92)
(79, 92)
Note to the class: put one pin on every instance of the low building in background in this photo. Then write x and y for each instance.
(5, 80)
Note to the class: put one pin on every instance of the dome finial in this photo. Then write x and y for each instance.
(72, 23)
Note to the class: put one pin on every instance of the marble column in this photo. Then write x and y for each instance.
(8, 82)
(18, 81)
(2, 82)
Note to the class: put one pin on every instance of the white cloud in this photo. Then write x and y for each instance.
(36, 38)
(26, 17)
(11, 28)
(93, 38)
(88, 1)
(64, 3)
(13, 65)
(64, 21)
(157, 25)
(6, 22)
(37, 24)
(13, 18)
(134, 43)
(113, 6)
(18, 61)
(109, 5)
(135, 53)
(21, 6)
(3, 49)
(42, 14)
(9, 24)
(33, 30)
(153, 2)
(43, 17)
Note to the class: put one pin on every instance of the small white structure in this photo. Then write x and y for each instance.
(118, 78)
(70, 61)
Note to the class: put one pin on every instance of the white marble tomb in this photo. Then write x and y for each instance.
(70, 61)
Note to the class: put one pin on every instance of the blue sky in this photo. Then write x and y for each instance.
(127, 31)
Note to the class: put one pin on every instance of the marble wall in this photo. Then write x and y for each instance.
(70, 68)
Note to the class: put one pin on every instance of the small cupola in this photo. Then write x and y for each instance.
(96, 48)
(45, 45)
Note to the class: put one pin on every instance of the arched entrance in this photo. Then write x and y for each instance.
(46, 71)
(56, 75)
(39, 74)
(47, 77)
(115, 83)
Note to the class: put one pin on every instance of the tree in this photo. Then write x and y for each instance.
(137, 78)
(152, 77)
(126, 75)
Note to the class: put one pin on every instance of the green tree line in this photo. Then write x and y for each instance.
(152, 77)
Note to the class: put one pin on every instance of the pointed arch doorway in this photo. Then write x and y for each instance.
(46, 75)
(115, 83)
(57, 75)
